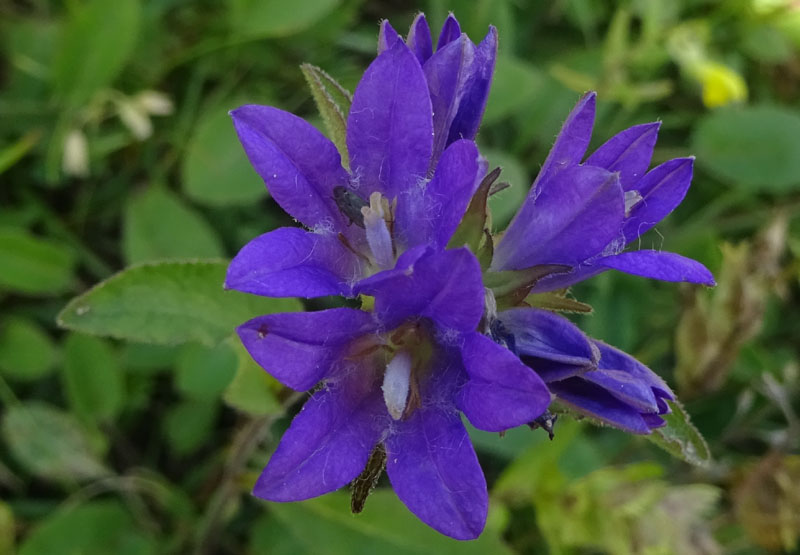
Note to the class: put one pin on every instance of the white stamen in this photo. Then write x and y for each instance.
(378, 236)
(632, 198)
(396, 384)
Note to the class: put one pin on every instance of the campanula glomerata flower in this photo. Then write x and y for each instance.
(389, 383)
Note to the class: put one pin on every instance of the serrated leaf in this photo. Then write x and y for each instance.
(98, 38)
(92, 378)
(95, 527)
(680, 438)
(252, 389)
(333, 102)
(325, 526)
(50, 444)
(159, 225)
(755, 147)
(203, 373)
(33, 265)
(26, 351)
(167, 303)
(215, 170)
(277, 18)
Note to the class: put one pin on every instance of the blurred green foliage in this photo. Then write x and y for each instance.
(116, 149)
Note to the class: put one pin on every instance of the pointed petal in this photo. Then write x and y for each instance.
(665, 266)
(572, 141)
(473, 102)
(328, 442)
(431, 212)
(541, 334)
(299, 165)
(443, 286)
(628, 152)
(662, 189)
(299, 349)
(387, 36)
(501, 392)
(419, 38)
(390, 126)
(448, 73)
(596, 402)
(435, 472)
(573, 217)
(291, 262)
(626, 388)
(451, 30)
(612, 358)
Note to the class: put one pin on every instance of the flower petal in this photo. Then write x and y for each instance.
(612, 358)
(431, 212)
(328, 442)
(596, 402)
(291, 262)
(574, 216)
(448, 73)
(299, 165)
(419, 38)
(501, 392)
(662, 189)
(544, 335)
(628, 152)
(626, 388)
(300, 348)
(665, 266)
(390, 126)
(473, 101)
(443, 286)
(387, 36)
(451, 30)
(435, 472)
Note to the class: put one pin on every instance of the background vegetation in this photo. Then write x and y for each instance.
(116, 149)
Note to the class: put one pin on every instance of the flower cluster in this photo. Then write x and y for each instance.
(440, 332)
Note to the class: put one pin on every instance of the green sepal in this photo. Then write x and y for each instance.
(333, 102)
(680, 438)
(471, 229)
(558, 301)
(510, 287)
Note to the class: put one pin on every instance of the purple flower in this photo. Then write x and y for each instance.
(583, 214)
(394, 381)
(587, 375)
(458, 74)
(360, 220)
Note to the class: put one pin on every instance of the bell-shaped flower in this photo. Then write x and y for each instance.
(360, 221)
(392, 383)
(583, 213)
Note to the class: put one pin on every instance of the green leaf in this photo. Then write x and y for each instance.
(93, 528)
(167, 303)
(32, 265)
(215, 169)
(515, 82)
(98, 39)
(159, 225)
(333, 102)
(50, 444)
(203, 373)
(470, 230)
(505, 203)
(26, 351)
(92, 378)
(252, 389)
(6, 530)
(188, 423)
(680, 438)
(754, 147)
(277, 18)
(325, 526)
